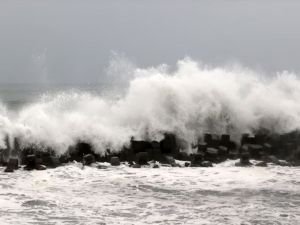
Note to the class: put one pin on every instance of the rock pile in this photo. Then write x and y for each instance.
(283, 150)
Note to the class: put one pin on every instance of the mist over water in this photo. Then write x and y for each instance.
(188, 100)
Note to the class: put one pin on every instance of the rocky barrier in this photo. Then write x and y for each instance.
(283, 150)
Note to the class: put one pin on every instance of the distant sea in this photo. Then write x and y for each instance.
(15, 96)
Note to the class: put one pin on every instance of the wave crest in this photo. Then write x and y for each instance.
(188, 101)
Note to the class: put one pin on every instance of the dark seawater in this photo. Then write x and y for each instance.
(16, 96)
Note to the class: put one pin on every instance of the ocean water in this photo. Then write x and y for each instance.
(188, 100)
(16, 96)
(220, 195)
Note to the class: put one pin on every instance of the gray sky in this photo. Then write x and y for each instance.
(71, 40)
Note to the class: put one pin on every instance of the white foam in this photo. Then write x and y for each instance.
(123, 195)
(188, 101)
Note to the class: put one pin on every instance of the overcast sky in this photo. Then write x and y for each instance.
(72, 40)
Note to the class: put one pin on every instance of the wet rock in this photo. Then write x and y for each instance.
(40, 167)
(228, 143)
(233, 154)
(131, 163)
(243, 149)
(223, 150)
(187, 164)
(212, 154)
(295, 163)
(195, 165)
(155, 166)
(244, 160)
(79, 150)
(272, 159)
(33, 162)
(126, 154)
(284, 163)
(169, 160)
(5, 152)
(50, 161)
(202, 146)
(225, 139)
(88, 159)
(155, 154)
(9, 170)
(261, 164)
(212, 151)
(207, 138)
(183, 156)
(297, 155)
(165, 165)
(169, 144)
(248, 139)
(212, 140)
(268, 148)
(30, 162)
(175, 164)
(38, 160)
(16, 150)
(65, 158)
(288, 149)
(206, 164)
(295, 158)
(142, 158)
(197, 160)
(155, 144)
(255, 150)
(13, 164)
(140, 146)
(53, 162)
(115, 161)
(102, 167)
(136, 166)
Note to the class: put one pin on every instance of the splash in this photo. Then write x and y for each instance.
(187, 101)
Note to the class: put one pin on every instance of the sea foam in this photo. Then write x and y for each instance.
(189, 100)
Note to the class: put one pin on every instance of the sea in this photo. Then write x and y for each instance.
(188, 102)
(223, 194)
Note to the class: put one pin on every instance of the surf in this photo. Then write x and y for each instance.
(189, 100)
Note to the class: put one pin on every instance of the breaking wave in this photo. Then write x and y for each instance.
(188, 101)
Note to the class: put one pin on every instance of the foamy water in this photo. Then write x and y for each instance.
(123, 195)
(187, 101)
